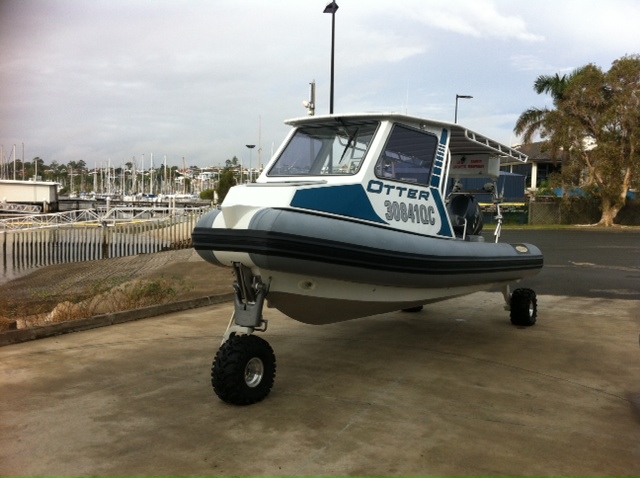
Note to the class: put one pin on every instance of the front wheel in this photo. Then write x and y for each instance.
(524, 307)
(244, 370)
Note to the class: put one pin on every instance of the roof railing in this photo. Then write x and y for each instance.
(495, 146)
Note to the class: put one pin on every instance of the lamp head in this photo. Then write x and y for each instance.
(331, 8)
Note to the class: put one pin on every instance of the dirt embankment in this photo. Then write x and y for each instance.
(67, 291)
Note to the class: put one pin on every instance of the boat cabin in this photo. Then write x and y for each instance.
(393, 170)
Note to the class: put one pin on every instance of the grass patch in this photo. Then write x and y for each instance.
(99, 297)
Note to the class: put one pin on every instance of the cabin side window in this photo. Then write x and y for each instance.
(327, 149)
(408, 156)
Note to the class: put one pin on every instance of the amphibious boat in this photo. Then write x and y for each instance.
(357, 215)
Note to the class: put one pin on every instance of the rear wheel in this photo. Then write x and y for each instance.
(244, 370)
(524, 307)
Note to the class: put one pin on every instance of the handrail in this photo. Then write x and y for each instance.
(98, 216)
(21, 208)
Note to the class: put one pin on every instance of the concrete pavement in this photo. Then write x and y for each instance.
(452, 390)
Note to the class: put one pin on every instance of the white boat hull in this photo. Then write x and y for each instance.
(318, 301)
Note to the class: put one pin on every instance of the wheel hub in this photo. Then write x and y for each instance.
(253, 372)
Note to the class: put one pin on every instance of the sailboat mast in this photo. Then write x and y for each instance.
(184, 176)
(259, 144)
(164, 180)
(151, 189)
(134, 177)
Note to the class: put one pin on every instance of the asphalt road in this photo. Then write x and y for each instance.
(585, 262)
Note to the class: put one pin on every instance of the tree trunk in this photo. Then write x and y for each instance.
(609, 212)
(612, 206)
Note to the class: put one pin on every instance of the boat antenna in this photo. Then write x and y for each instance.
(311, 103)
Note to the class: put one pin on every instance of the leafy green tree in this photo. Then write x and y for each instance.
(227, 181)
(232, 163)
(15, 169)
(594, 128)
(207, 194)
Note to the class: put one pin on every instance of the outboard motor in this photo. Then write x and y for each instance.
(465, 210)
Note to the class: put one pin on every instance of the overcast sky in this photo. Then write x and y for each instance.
(98, 80)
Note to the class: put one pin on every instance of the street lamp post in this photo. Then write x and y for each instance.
(332, 8)
(455, 119)
(250, 146)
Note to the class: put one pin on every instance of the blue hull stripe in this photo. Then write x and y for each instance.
(350, 200)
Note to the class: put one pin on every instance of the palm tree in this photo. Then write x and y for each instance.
(532, 121)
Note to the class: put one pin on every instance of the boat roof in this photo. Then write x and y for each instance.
(463, 141)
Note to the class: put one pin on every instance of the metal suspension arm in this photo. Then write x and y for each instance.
(250, 294)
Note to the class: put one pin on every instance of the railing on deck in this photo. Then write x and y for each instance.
(98, 216)
(75, 236)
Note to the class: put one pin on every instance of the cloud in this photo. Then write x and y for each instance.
(375, 47)
(530, 62)
(474, 18)
(97, 79)
(583, 27)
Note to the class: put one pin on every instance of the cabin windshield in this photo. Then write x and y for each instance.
(325, 149)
